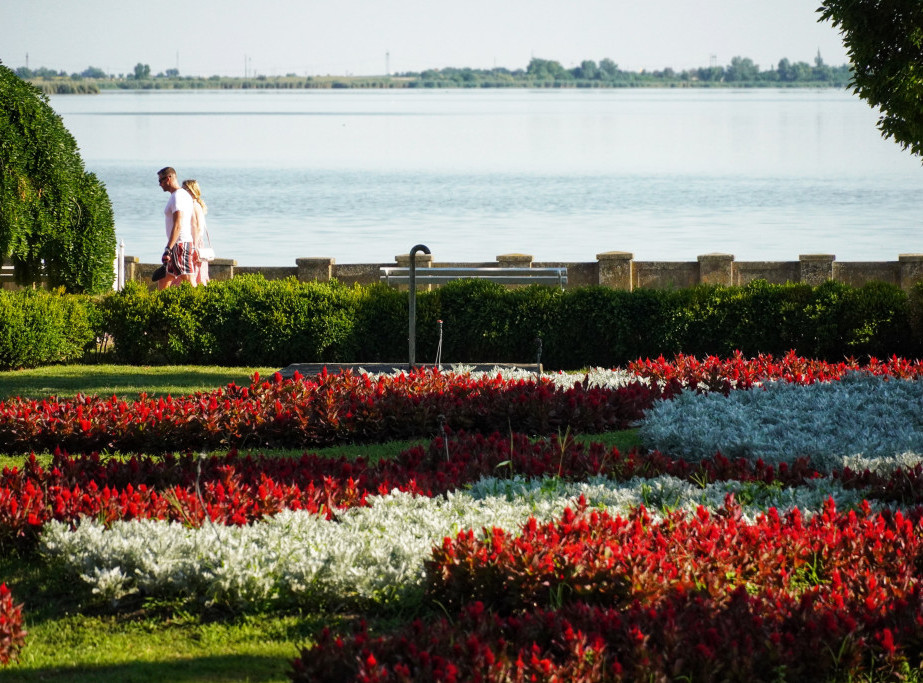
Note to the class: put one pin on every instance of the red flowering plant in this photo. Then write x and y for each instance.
(711, 597)
(723, 374)
(323, 410)
(12, 634)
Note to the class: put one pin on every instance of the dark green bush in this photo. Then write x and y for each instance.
(878, 322)
(282, 321)
(42, 328)
(756, 318)
(599, 327)
(484, 322)
(381, 325)
(246, 320)
(252, 321)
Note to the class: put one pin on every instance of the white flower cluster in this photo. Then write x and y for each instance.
(860, 421)
(367, 555)
(596, 377)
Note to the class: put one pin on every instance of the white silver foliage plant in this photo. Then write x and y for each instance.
(859, 420)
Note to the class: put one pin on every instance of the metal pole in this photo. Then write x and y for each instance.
(412, 335)
(439, 347)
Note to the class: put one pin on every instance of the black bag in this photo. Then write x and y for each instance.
(160, 273)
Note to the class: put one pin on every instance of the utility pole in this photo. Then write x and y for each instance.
(388, 64)
(27, 60)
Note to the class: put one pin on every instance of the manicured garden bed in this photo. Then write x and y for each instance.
(503, 547)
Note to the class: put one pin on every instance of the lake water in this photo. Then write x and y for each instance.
(363, 175)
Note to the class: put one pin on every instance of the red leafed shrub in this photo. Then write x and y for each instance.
(688, 636)
(320, 411)
(12, 635)
(709, 598)
(718, 374)
(619, 561)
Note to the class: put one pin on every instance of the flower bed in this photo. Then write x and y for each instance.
(549, 559)
(706, 596)
(238, 489)
(320, 411)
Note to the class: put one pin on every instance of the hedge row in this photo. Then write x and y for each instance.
(252, 321)
(40, 328)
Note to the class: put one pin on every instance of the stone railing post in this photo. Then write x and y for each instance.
(221, 268)
(616, 269)
(131, 266)
(514, 260)
(716, 269)
(310, 269)
(911, 270)
(422, 260)
(816, 268)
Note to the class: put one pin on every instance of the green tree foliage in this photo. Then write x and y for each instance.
(884, 41)
(52, 211)
(741, 69)
(93, 72)
(547, 69)
(608, 68)
(142, 71)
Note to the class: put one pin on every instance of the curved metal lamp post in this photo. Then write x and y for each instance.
(412, 336)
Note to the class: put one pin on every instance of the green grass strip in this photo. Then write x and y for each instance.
(124, 381)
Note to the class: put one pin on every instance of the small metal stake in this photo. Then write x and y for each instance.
(445, 441)
(439, 347)
(538, 356)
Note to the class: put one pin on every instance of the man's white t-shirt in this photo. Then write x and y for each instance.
(179, 201)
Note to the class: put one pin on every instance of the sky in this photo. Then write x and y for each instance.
(373, 37)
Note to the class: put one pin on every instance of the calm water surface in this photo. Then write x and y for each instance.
(364, 175)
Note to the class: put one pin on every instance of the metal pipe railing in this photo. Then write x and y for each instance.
(412, 312)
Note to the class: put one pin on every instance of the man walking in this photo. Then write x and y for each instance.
(179, 253)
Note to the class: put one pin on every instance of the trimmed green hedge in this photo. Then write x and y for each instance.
(38, 327)
(252, 321)
(233, 323)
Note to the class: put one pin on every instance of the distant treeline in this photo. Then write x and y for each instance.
(541, 73)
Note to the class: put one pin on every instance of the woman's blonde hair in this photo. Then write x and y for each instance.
(192, 187)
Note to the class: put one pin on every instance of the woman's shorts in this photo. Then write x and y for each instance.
(181, 259)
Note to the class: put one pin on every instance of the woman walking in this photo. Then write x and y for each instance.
(199, 231)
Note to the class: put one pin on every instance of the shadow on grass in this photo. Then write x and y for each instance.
(123, 381)
(230, 667)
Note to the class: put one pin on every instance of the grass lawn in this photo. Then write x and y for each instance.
(125, 381)
(157, 642)
(175, 648)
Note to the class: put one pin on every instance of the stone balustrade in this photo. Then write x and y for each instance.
(615, 269)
